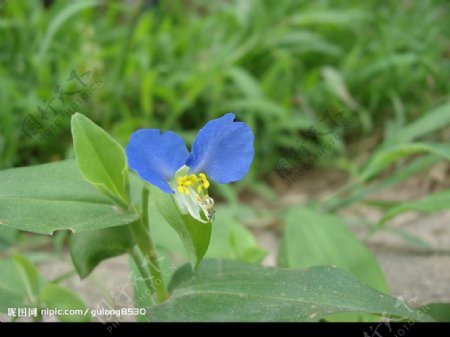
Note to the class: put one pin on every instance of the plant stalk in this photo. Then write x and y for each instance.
(142, 237)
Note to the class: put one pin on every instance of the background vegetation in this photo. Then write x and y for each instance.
(279, 65)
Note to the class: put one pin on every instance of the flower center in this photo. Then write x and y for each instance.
(194, 188)
(199, 183)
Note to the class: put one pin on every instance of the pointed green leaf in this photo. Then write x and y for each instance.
(194, 234)
(45, 198)
(20, 279)
(53, 296)
(12, 289)
(232, 240)
(29, 276)
(429, 122)
(223, 291)
(408, 170)
(88, 249)
(101, 159)
(312, 239)
(10, 299)
(435, 202)
(387, 156)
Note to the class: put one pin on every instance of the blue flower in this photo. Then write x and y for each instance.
(222, 151)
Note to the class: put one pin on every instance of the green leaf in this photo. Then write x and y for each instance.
(336, 84)
(88, 249)
(431, 203)
(29, 276)
(53, 296)
(328, 17)
(164, 236)
(232, 240)
(430, 122)
(222, 290)
(411, 238)
(8, 237)
(101, 160)
(194, 234)
(12, 289)
(312, 239)
(20, 279)
(245, 81)
(50, 197)
(409, 170)
(229, 238)
(10, 299)
(388, 156)
(439, 311)
(58, 20)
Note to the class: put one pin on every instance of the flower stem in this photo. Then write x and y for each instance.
(140, 262)
(141, 235)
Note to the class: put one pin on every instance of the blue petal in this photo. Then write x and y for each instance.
(223, 150)
(156, 156)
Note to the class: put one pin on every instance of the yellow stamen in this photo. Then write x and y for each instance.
(199, 183)
(204, 180)
(183, 184)
(193, 178)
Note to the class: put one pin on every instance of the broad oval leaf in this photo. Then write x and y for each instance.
(223, 291)
(21, 286)
(312, 239)
(29, 275)
(101, 159)
(45, 198)
(88, 249)
(12, 289)
(230, 239)
(53, 296)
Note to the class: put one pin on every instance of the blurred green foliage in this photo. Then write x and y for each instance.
(278, 65)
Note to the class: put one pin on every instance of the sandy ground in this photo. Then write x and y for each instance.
(410, 272)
